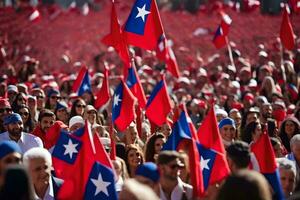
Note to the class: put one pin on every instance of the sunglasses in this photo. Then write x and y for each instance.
(24, 113)
(21, 99)
(40, 97)
(5, 109)
(55, 97)
(174, 166)
(80, 106)
(91, 112)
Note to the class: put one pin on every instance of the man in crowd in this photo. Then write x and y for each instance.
(238, 156)
(227, 130)
(14, 125)
(171, 186)
(5, 109)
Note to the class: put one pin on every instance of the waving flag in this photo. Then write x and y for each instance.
(103, 95)
(286, 30)
(159, 104)
(84, 161)
(123, 107)
(82, 83)
(35, 16)
(143, 27)
(212, 153)
(220, 38)
(116, 39)
(165, 53)
(293, 91)
(184, 134)
(134, 84)
(264, 161)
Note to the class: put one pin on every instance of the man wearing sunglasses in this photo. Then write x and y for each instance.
(5, 109)
(171, 186)
(14, 125)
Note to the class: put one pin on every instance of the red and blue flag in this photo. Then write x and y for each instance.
(143, 27)
(123, 107)
(103, 95)
(220, 37)
(159, 104)
(82, 83)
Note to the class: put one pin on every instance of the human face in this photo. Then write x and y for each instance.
(79, 107)
(257, 133)
(267, 111)
(54, 99)
(4, 111)
(134, 158)
(40, 99)
(228, 133)
(288, 181)
(15, 130)
(289, 128)
(62, 114)
(21, 100)
(251, 117)
(236, 116)
(46, 123)
(24, 112)
(91, 115)
(171, 170)
(296, 151)
(166, 129)
(159, 142)
(12, 158)
(40, 171)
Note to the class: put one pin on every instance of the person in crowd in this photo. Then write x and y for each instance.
(131, 136)
(266, 119)
(289, 127)
(247, 185)
(45, 121)
(148, 174)
(40, 98)
(14, 126)
(38, 161)
(91, 115)
(28, 121)
(5, 109)
(12, 92)
(10, 153)
(252, 132)
(238, 156)
(221, 114)
(251, 115)
(20, 99)
(17, 184)
(165, 129)
(268, 87)
(53, 97)
(278, 148)
(61, 112)
(133, 158)
(121, 172)
(75, 123)
(287, 172)
(78, 107)
(153, 146)
(295, 156)
(227, 130)
(171, 186)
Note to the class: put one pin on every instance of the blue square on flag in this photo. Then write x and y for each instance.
(67, 148)
(79, 132)
(131, 79)
(138, 17)
(85, 84)
(101, 184)
(207, 159)
(117, 102)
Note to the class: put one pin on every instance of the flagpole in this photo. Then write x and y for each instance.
(230, 52)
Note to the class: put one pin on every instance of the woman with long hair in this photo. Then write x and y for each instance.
(133, 158)
(153, 146)
(28, 122)
(252, 132)
(289, 127)
(78, 107)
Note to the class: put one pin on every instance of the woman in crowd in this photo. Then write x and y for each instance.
(78, 107)
(133, 158)
(28, 122)
(18, 101)
(252, 132)
(289, 127)
(153, 146)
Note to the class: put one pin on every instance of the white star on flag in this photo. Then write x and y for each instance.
(204, 163)
(70, 148)
(142, 12)
(101, 186)
(85, 87)
(117, 100)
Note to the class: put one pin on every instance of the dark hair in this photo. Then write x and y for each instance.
(14, 105)
(45, 113)
(165, 157)
(17, 184)
(29, 124)
(248, 131)
(247, 185)
(73, 108)
(239, 153)
(150, 147)
(282, 134)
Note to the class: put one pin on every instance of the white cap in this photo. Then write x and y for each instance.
(75, 120)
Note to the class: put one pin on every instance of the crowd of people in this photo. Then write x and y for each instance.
(249, 98)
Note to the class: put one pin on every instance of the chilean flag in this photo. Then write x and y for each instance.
(220, 38)
(143, 27)
(116, 38)
(123, 107)
(103, 95)
(134, 84)
(82, 83)
(211, 149)
(159, 104)
(184, 135)
(286, 30)
(263, 160)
